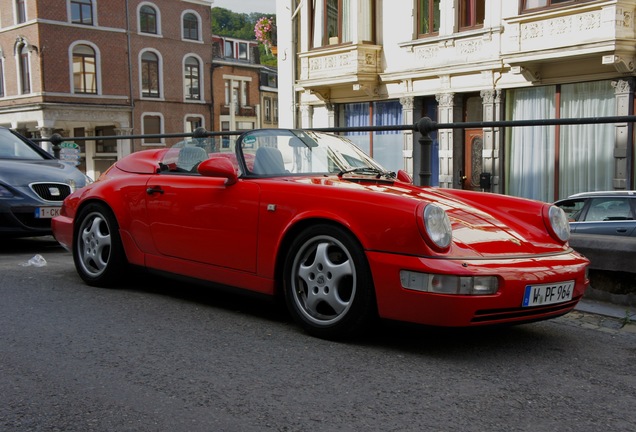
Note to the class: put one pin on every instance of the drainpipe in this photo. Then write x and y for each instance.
(130, 73)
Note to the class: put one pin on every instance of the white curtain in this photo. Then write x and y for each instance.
(387, 145)
(586, 156)
(319, 16)
(357, 115)
(346, 21)
(531, 149)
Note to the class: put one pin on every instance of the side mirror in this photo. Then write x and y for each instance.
(403, 176)
(218, 167)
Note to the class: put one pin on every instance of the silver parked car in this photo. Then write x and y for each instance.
(33, 185)
(608, 213)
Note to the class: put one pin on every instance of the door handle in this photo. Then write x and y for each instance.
(152, 190)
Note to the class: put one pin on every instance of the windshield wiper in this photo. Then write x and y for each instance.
(372, 170)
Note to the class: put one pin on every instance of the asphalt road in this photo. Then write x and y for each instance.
(157, 355)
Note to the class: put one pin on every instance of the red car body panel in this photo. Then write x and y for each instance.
(201, 227)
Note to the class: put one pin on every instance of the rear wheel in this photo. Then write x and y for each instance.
(98, 252)
(328, 285)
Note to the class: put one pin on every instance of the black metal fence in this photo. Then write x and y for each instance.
(424, 127)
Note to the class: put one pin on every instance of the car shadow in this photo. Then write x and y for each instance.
(403, 337)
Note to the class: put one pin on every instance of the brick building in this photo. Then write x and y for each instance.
(244, 91)
(104, 68)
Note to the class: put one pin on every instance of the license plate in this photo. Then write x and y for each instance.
(538, 295)
(46, 212)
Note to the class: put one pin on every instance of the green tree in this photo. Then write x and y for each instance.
(224, 22)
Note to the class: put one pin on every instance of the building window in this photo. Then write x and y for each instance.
(275, 106)
(537, 4)
(268, 109)
(84, 70)
(1, 76)
(244, 93)
(150, 75)
(192, 79)
(428, 17)
(20, 11)
(192, 123)
(547, 163)
(24, 69)
(148, 20)
(82, 12)
(471, 13)
(152, 126)
(382, 146)
(190, 26)
(330, 22)
(228, 50)
(242, 46)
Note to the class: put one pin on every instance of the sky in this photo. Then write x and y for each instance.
(247, 6)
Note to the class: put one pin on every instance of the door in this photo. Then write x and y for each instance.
(200, 219)
(473, 158)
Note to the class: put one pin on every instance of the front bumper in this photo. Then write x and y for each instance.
(505, 307)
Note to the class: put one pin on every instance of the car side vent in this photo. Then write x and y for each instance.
(51, 191)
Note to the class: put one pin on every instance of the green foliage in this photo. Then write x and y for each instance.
(232, 24)
(239, 25)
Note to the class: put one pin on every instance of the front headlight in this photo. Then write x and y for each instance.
(557, 223)
(437, 226)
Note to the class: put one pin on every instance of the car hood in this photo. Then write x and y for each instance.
(484, 224)
(20, 173)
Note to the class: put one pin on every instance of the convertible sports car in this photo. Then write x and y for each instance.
(310, 217)
(33, 185)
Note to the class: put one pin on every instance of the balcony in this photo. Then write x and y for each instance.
(599, 35)
(340, 69)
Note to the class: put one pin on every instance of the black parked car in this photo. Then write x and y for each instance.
(33, 185)
(609, 213)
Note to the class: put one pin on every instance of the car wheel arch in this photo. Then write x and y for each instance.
(288, 237)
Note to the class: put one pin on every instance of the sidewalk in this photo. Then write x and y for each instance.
(600, 315)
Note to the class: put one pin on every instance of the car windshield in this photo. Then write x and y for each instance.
(285, 152)
(12, 147)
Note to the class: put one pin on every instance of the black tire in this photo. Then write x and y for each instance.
(98, 252)
(327, 283)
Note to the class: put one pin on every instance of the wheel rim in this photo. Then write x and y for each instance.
(323, 280)
(94, 244)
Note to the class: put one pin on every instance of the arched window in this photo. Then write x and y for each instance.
(82, 12)
(192, 79)
(150, 75)
(24, 67)
(84, 70)
(190, 26)
(148, 19)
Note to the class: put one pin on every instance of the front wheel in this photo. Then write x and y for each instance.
(98, 252)
(328, 285)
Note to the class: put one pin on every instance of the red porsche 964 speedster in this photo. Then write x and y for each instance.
(309, 216)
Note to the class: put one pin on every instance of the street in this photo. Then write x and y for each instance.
(160, 355)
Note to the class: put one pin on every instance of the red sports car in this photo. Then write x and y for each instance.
(309, 216)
